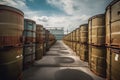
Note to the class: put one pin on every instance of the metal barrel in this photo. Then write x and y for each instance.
(113, 24)
(11, 63)
(11, 29)
(84, 33)
(84, 52)
(71, 40)
(74, 35)
(51, 39)
(39, 51)
(39, 42)
(28, 55)
(44, 42)
(78, 49)
(77, 35)
(98, 30)
(11, 26)
(39, 34)
(98, 60)
(90, 31)
(47, 39)
(89, 52)
(29, 31)
(113, 64)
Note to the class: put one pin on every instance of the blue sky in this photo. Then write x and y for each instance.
(59, 13)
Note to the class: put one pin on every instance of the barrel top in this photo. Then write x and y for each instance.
(12, 9)
(77, 28)
(84, 24)
(112, 3)
(29, 20)
(39, 25)
(96, 16)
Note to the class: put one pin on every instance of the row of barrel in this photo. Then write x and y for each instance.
(22, 41)
(98, 42)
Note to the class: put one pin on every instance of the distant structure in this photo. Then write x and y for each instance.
(57, 31)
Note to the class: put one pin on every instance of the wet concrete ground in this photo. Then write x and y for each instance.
(60, 63)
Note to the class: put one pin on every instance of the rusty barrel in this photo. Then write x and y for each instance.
(39, 42)
(29, 31)
(90, 31)
(11, 29)
(77, 49)
(98, 60)
(113, 24)
(51, 39)
(74, 42)
(113, 64)
(74, 46)
(47, 40)
(98, 29)
(77, 35)
(39, 51)
(84, 33)
(84, 52)
(44, 42)
(11, 63)
(11, 26)
(74, 35)
(39, 34)
(71, 40)
(89, 52)
(28, 55)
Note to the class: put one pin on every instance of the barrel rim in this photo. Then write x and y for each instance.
(10, 8)
(112, 3)
(30, 20)
(96, 16)
(39, 25)
(86, 24)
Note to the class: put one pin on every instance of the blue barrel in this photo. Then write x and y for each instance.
(29, 31)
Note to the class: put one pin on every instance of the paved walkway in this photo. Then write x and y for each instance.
(60, 63)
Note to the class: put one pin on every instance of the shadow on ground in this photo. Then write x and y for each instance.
(71, 74)
(64, 60)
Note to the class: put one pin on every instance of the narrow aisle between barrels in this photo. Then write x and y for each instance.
(60, 63)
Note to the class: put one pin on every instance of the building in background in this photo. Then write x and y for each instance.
(57, 31)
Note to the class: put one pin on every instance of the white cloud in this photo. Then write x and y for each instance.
(77, 12)
(14, 3)
(44, 18)
(65, 5)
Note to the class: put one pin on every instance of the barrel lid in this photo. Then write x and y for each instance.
(9, 8)
(39, 25)
(96, 16)
(29, 20)
(112, 3)
(84, 24)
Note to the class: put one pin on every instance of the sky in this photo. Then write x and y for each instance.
(59, 13)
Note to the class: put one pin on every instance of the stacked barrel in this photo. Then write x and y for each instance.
(47, 40)
(113, 40)
(39, 42)
(21, 42)
(97, 53)
(52, 40)
(77, 38)
(101, 47)
(67, 39)
(44, 42)
(74, 40)
(29, 42)
(83, 50)
(11, 29)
